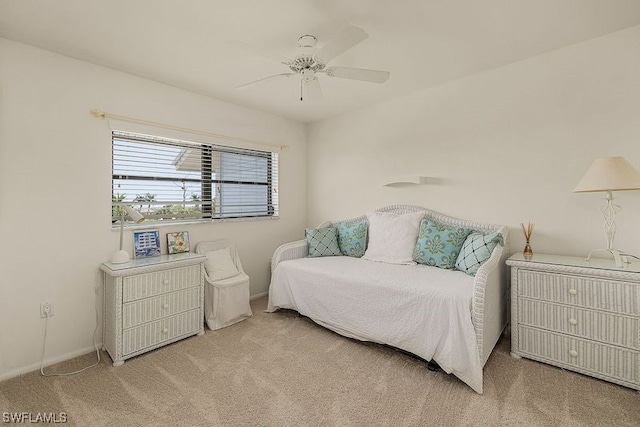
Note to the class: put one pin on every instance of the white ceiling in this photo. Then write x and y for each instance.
(422, 43)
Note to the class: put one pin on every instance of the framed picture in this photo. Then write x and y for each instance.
(178, 242)
(146, 243)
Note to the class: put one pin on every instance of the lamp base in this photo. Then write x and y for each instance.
(120, 257)
(617, 256)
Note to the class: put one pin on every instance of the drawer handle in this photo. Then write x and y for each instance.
(573, 291)
(165, 282)
(166, 331)
(573, 321)
(165, 306)
(573, 353)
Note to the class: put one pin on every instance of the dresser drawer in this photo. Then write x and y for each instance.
(582, 355)
(146, 310)
(610, 295)
(159, 282)
(597, 325)
(151, 334)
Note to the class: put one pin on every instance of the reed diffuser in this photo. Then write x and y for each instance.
(528, 231)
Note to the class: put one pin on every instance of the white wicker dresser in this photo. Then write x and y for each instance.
(577, 314)
(151, 302)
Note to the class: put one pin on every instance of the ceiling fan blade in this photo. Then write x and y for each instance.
(260, 51)
(314, 91)
(264, 78)
(375, 76)
(347, 38)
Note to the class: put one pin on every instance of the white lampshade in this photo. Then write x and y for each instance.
(609, 174)
(121, 256)
(134, 214)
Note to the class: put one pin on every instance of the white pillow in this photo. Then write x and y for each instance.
(219, 265)
(392, 237)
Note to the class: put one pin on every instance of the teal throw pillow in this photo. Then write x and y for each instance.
(352, 238)
(322, 241)
(477, 248)
(438, 244)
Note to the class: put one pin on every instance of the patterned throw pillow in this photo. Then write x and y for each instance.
(352, 238)
(476, 250)
(439, 244)
(322, 241)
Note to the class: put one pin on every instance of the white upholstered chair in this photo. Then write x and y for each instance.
(226, 300)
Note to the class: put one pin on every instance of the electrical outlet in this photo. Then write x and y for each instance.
(46, 309)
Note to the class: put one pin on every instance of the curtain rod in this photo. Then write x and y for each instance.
(104, 115)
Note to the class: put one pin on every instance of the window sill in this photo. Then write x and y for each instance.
(116, 227)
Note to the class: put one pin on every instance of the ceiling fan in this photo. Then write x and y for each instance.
(310, 62)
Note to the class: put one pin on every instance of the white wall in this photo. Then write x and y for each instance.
(505, 146)
(56, 158)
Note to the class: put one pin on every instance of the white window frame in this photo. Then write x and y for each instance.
(230, 179)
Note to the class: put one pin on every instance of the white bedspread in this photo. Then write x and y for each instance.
(420, 309)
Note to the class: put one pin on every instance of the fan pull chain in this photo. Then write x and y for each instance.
(301, 89)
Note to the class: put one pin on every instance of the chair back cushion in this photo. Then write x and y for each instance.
(220, 265)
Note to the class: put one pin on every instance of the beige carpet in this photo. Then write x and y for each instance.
(281, 369)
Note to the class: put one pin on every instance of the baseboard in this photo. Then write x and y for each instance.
(52, 361)
(256, 296)
(48, 362)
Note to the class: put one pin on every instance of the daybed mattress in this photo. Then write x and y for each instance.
(423, 310)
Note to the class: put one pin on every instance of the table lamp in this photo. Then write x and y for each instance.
(609, 174)
(122, 256)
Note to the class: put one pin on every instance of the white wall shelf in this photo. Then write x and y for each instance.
(406, 180)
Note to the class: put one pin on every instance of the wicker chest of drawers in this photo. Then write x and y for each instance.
(577, 314)
(151, 302)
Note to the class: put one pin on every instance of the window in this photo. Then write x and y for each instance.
(169, 180)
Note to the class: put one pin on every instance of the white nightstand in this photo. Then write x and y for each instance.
(151, 302)
(577, 314)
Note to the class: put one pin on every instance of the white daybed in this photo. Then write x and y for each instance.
(437, 314)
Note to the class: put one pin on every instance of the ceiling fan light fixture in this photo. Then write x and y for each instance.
(308, 75)
(307, 41)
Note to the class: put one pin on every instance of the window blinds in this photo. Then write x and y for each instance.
(170, 180)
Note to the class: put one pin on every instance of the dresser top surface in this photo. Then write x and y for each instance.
(519, 260)
(151, 262)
